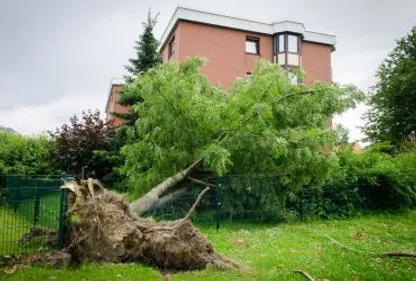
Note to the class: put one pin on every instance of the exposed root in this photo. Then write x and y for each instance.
(104, 230)
(306, 275)
(382, 254)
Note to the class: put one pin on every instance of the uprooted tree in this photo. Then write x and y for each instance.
(103, 229)
(264, 124)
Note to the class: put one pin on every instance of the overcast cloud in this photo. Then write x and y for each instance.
(57, 57)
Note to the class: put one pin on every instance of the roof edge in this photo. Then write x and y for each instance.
(204, 17)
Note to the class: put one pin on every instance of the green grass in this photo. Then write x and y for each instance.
(273, 252)
(12, 227)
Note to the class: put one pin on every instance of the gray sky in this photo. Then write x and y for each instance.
(57, 57)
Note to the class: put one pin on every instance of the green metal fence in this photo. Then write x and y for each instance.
(32, 210)
(257, 199)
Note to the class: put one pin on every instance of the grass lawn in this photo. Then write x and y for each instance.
(273, 252)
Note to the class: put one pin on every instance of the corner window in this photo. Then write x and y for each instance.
(292, 44)
(253, 45)
(281, 43)
(172, 46)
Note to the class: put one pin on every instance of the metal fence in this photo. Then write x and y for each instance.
(32, 210)
(258, 199)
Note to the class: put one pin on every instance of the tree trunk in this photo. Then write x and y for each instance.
(147, 201)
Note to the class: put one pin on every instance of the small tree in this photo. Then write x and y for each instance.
(146, 50)
(77, 142)
(147, 57)
(392, 115)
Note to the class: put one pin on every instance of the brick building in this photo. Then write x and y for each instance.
(232, 45)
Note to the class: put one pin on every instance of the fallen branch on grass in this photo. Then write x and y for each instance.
(382, 254)
(307, 276)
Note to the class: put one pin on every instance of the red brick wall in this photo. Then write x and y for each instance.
(113, 106)
(316, 61)
(224, 48)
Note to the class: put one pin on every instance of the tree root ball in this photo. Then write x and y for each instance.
(101, 228)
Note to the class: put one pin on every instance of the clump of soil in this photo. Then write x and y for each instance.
(102, 229)
(51, 259)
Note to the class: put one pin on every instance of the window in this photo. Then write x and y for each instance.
(252, 45)
(172, 46)
(292, 44)
(293, 78)
(281, 43)
(248, 74)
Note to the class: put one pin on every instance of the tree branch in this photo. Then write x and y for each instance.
(383, 254)
(198, 199)
(295, 94)
(307, 276)
(197, 181)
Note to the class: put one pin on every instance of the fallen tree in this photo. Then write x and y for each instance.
(263, 125)
(101, 228)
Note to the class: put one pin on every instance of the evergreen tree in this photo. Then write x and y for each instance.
(147, 50)
(147, 57)
(392, 117)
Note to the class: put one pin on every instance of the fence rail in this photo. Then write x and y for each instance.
(260, 199)
(32, 212)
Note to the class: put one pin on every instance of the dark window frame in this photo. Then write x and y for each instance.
(297, 43)
(256, 40)
(172, 46)
(286, 43)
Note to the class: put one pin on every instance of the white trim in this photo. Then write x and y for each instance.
(190, 14)
(117, 81)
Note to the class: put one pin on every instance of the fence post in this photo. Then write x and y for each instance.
(217, 191)
(36, 206)
(62, 215)
(301, 210)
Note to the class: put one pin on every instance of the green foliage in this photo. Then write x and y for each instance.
(25, 155)
(76, 144)
(263, 125)
(393, 101)
(362, 182)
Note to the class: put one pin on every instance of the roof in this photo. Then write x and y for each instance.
(8, 130)
(194, 15)
(115, 81)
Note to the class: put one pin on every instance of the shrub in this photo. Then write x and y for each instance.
(369, 181)
(25, 155)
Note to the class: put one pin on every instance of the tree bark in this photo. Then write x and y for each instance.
(147, 201)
